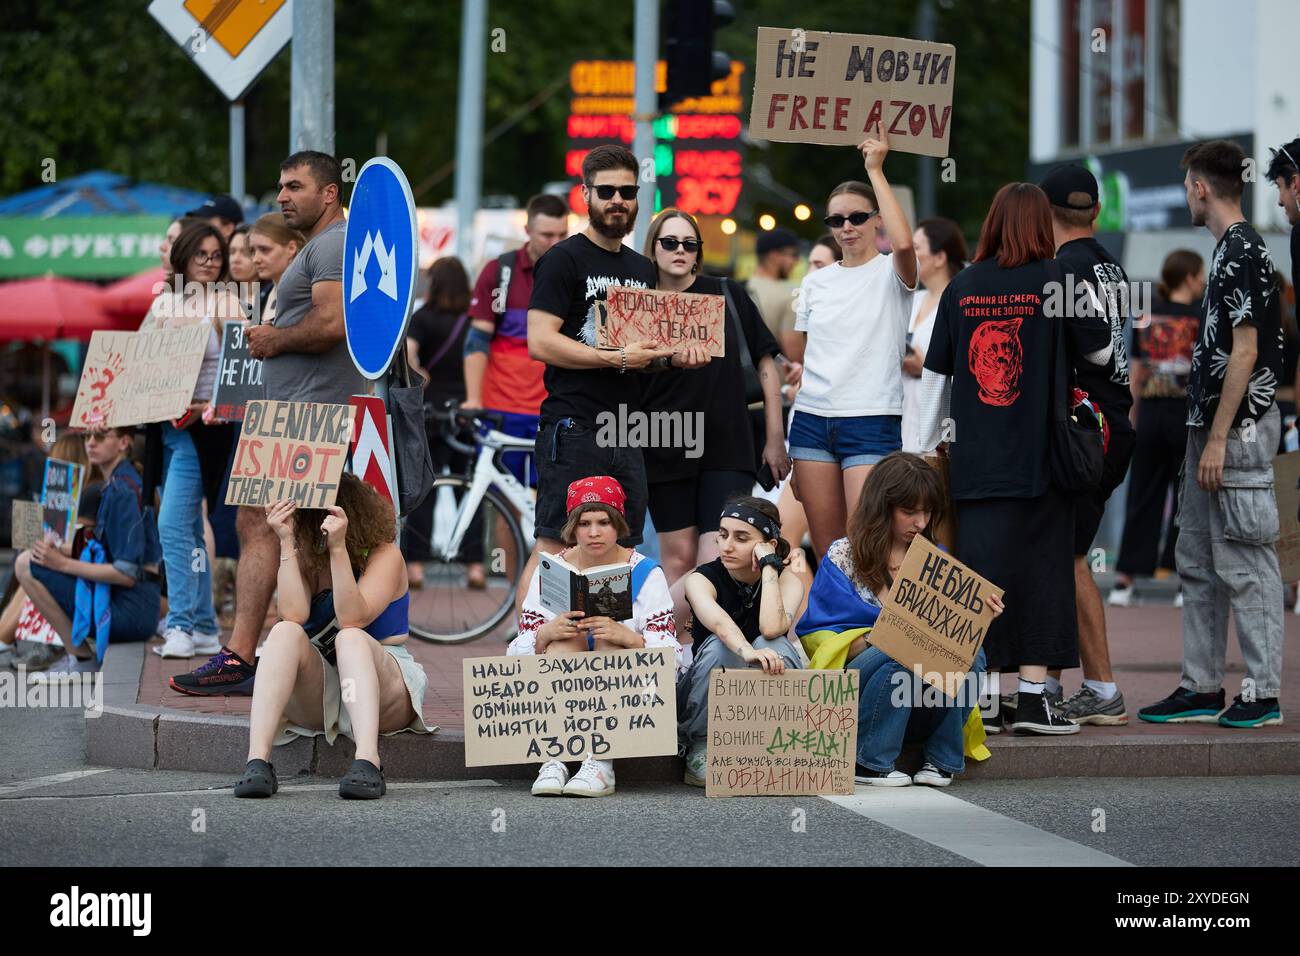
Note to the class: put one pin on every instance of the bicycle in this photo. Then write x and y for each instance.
(484, 516)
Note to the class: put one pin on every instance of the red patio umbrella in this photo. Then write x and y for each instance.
(129, 299)
(51, 308)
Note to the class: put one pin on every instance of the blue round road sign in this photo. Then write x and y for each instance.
(380, 261)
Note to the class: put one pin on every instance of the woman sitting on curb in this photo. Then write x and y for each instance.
(342, 591)
(902, 497)
(742, 605)
(594, 525)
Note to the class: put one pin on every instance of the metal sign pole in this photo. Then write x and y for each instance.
(311, 84)
(469, 124)
(646, 47)
(237, 151)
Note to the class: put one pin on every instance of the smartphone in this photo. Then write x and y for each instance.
(766, 480)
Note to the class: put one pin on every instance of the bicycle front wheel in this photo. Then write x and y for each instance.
(470, 594)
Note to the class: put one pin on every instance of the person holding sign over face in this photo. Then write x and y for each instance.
(902, 497)
(596, 522)
(743, 604)
(855, 314)
(336, 663)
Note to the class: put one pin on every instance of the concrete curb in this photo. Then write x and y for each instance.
(128, 734)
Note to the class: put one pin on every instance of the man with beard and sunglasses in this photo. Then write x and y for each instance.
(581, 380)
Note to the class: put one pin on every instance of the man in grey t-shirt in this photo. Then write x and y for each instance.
(305, 359)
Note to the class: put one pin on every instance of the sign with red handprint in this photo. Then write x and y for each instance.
(677, 320)
(132, 378)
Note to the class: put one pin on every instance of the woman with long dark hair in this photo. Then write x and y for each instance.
(336, 663)
(991, 359)
(689, 484)
(902, 498)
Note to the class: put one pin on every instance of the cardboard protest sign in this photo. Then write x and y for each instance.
(935, 616)
(676, 320)
(132, 378)
(1286, 486)
(27, 525)
(781, 736)
(239, 376)
(290, 450)
(832, 88)
(530, 709)
(60, 496)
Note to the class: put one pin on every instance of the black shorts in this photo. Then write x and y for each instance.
(1089, 508)
(567, 451)
(695, 502)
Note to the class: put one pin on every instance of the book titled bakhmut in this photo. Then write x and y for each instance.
(605, 591)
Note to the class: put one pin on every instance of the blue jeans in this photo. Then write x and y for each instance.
(180, 532)
(884, 725)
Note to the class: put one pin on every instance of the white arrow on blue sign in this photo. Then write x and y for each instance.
(380, 264)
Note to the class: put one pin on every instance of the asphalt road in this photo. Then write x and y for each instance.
(57, 811)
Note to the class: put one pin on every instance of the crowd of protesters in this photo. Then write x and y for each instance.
(897, 391)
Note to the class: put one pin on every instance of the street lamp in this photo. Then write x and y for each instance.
(802, 212)
(767, 222)
(728, 227)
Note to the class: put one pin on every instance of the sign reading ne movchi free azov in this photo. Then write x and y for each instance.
(380, 265)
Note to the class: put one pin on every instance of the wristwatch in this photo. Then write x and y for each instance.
(770, 561)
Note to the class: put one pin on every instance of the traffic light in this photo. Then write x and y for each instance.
(692, 62)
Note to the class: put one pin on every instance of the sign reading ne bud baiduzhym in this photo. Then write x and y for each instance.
(935, 617)
(534, 708)
(677, 320)
(290, 450)
(832, 88)
(239, 376)
(781, 735)
(133, 378)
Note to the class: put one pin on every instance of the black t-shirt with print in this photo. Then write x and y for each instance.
(1163, 343)
(992, 336)
(717, 390)
(567, 281)
(1088, 261)
(1238, 288)
(740, 601)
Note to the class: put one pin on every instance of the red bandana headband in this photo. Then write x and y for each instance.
(601, 489)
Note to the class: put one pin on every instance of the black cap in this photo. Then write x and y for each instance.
(224, 206)
(775, 239)
(1063, 180)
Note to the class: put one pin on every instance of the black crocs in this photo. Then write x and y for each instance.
(258, 780)
(363, 781)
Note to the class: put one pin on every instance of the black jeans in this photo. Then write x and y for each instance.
(1161, 445)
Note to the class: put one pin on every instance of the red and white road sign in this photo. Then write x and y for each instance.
(372, 445)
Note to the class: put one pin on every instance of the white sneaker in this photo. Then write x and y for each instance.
(551, 779)
(595, 778)
(1178, 599)
(176, 643)
(205, 645)
(1120, 597)
(931, 776)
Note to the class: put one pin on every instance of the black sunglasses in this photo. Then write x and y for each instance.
(671, 244)
(857, 218)
(607, 192)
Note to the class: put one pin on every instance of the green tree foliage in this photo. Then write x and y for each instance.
(100, 85)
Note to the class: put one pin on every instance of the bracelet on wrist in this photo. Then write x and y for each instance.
(622, 360)
(285, 557)
(772, 561)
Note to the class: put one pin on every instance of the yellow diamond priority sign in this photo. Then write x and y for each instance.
(232, 41)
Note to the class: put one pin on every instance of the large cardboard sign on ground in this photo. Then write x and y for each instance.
(781, 736)
(677, 320)
(60, 497)
(1286, 486)
(25, 530)
(530, 709)
(290, 450)
(133, 378)
(239, 376)
(935, 616)
(832, 88)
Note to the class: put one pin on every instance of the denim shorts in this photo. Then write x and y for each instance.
(860, 440)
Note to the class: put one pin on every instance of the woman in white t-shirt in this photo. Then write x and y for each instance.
(854, 313)
(940, 255)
